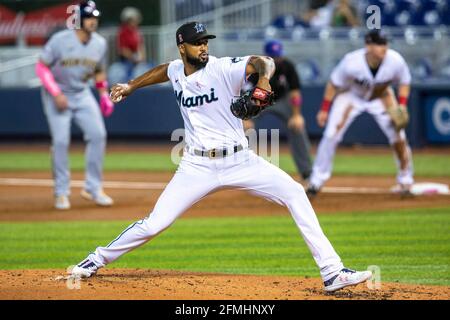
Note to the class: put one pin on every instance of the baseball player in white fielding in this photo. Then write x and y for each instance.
(361, 82)
(217, 154)
(70, 58)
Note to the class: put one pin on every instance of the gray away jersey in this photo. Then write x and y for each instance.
(73, 63)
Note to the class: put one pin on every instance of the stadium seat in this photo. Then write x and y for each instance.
(285, 21)
(444, 71)
(308, 70)
(117, 73)
(445, 13)
(403, 18)
(388, 13)
(140, 69)
(422, 69)
(431, 18)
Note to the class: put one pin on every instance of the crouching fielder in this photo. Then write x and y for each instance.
(361, 82)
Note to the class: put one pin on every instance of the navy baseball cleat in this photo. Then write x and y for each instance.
(346, 278)
(85, 269)
(312, 191)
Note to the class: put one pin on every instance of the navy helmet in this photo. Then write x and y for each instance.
(88, 9)
(273, 48)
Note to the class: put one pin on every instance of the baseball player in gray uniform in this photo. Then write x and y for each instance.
(69, 60)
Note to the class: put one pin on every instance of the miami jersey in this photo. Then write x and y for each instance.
(204, 98)
(353, 73)
(73, 63)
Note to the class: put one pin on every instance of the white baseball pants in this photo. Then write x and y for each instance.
(198, 176)
(346, 107)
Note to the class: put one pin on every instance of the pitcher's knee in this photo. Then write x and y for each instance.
(293, 192)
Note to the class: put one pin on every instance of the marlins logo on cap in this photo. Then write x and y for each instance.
(199, 27)
(191, 32)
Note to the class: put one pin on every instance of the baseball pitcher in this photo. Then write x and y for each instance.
(217, 154)
(362, 82)
(69, 60)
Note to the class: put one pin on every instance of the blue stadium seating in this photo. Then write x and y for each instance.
(309, 70)
(393, 13)
(422, 69)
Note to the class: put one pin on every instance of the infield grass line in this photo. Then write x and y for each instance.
(376, 164)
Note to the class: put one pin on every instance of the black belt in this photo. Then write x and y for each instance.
(217, 153)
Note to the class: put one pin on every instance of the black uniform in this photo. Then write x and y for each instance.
(282, 82)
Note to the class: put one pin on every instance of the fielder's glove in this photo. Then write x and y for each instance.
(244, 107)
(399, 115)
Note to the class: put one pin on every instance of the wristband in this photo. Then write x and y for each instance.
(102, 84)
(403, 101)
(296, 101)
(326, 104)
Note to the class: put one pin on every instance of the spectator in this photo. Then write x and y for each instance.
(344, 15)
(319, 14)
(129, 40)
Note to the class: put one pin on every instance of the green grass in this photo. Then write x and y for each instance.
(379, 164)
(411, 246)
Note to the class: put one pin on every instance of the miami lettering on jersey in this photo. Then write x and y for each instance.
(195, 101)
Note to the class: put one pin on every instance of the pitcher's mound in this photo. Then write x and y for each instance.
(174, 285)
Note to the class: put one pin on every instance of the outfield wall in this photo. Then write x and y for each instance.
(153, 112)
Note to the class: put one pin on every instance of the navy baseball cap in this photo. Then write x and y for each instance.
(273, 48)
(376, 37)
(191, 32)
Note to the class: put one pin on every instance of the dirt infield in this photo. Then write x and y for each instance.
(169, 285)
(25, 203)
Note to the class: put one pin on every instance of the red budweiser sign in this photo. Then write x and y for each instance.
(34, 26)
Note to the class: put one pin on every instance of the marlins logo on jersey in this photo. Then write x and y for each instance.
(196, 101)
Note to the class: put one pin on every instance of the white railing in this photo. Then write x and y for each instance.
(175, 11)
(19, 72)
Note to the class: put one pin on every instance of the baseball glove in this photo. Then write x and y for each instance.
(399, 115)
(244, 107)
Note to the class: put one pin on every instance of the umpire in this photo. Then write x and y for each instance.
(286, 85)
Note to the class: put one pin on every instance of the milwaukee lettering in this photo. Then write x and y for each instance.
(195, 101)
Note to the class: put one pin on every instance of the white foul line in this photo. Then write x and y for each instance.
(80, 183)
(361, 190)
(132, 185)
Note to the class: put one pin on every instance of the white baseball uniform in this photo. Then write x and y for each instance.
(204, 98)
(358, 83)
